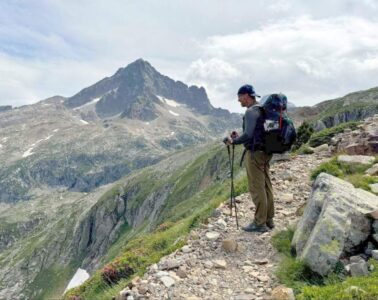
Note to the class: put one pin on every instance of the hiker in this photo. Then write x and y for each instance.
(256, 160)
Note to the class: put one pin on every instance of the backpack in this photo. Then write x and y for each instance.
(279, 131)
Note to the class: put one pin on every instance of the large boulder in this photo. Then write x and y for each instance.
(334, 223)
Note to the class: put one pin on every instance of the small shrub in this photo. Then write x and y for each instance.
(111, 274)
(305, 149)
(282, 241)
(164, 226)
(304, 133)
(330, 167)
(160, 245)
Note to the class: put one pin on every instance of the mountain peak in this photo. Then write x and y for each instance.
(132, 92)
(140, 65)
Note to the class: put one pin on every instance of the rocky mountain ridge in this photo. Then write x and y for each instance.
(133, 91)
(355, 106)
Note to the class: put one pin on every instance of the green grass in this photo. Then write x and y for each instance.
(331, 167)
(304, 149)
(307, 285)
(292, 272)
(282, 241)
(324, 136)
(353, 288)
(352, 173)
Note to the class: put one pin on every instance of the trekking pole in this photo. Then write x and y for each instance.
(231, 175)
(232, 197)
(232, 186)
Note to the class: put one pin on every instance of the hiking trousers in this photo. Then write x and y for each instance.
(259, 185)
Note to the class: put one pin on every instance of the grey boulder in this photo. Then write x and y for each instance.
(334, 223)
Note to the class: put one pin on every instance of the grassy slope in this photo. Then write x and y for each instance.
(199, 187)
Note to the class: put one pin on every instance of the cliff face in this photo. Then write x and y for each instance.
(354, 114)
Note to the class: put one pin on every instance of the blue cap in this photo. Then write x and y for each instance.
(247, 89)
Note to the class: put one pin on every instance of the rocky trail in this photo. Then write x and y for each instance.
(221, 262)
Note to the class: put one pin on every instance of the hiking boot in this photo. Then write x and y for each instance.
(255, 228)
(270, 223)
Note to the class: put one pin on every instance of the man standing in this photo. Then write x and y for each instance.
(257, 161)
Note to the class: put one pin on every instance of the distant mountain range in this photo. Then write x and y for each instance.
(121, 123)
(352, 107)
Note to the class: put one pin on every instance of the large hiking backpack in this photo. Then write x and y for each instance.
(279, 134)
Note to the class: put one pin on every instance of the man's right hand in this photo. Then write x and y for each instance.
(227, 140)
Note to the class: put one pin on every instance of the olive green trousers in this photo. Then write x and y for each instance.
(259, 185)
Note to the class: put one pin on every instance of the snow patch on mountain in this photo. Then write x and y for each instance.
(170, 102)
(80, 276)
(95, 100)
(84, 122)
(28, 152)
(173, 113)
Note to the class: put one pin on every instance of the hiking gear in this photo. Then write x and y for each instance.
(253, 227)
(260, 185)
(270, 223)
(232, 197)
(279, 131)
(247, 89)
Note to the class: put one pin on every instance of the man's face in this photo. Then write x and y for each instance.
(244, 100)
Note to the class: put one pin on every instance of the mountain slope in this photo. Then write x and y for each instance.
(56, 233)
(352, 107)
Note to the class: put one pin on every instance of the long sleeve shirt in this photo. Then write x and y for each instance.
(249, 124)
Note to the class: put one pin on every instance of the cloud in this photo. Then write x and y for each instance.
(309, 60)
(25, 82)
(59, 47)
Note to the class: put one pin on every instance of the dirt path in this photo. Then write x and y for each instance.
(205, 270)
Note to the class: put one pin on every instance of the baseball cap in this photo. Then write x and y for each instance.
(247, 89)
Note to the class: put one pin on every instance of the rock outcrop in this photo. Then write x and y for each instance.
(363, 141)
(334, 224)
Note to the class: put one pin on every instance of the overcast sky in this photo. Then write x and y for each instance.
(309, 50)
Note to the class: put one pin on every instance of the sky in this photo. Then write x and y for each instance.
(309, 50)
